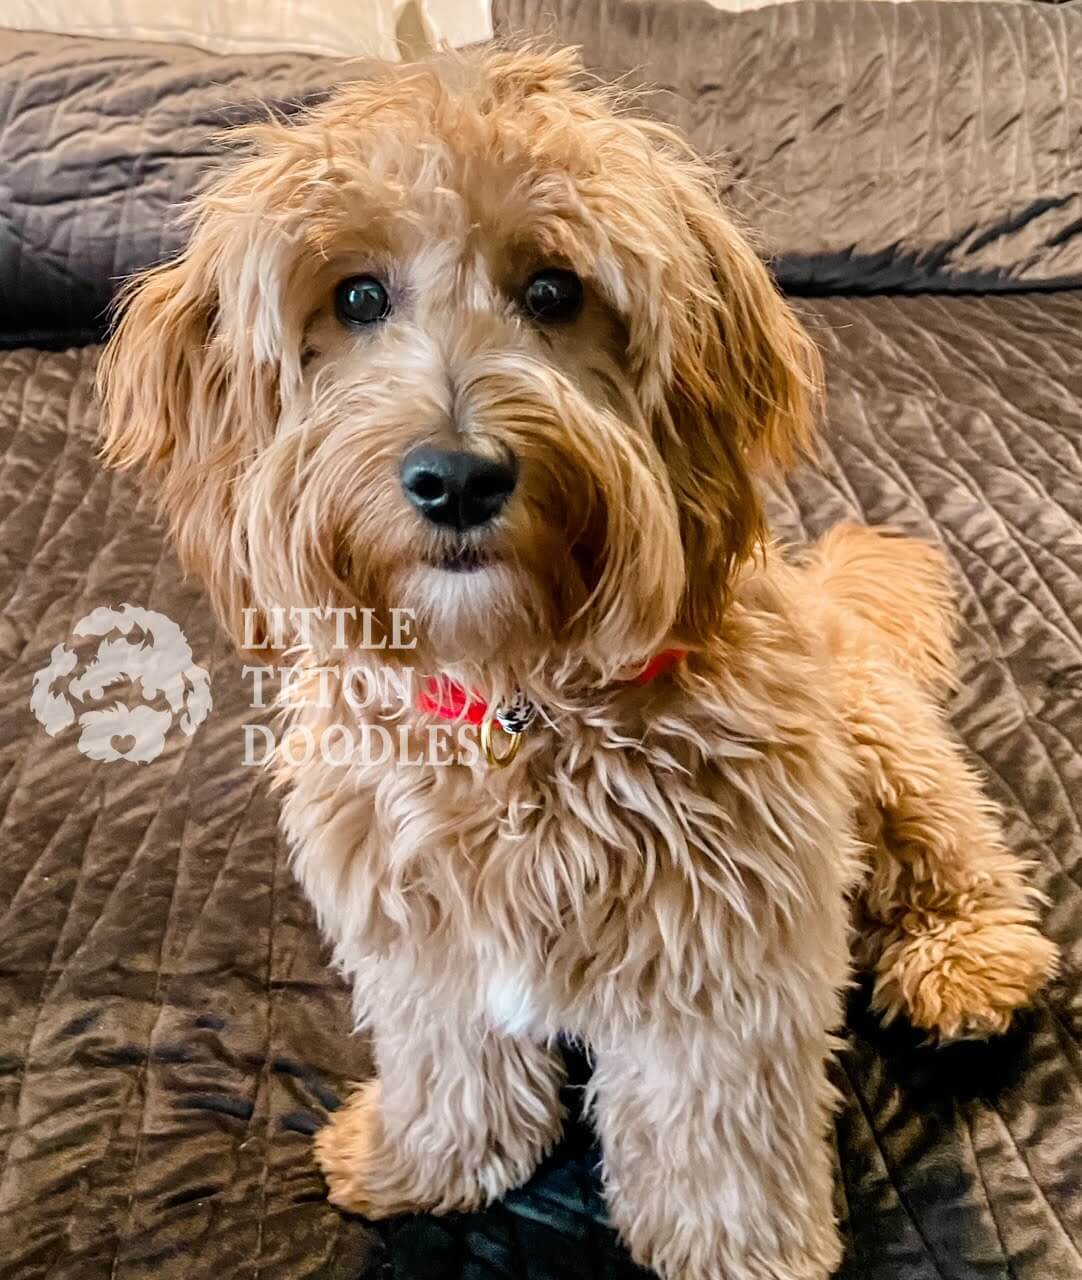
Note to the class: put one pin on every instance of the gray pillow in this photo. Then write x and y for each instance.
(876, 147)
(100, 142)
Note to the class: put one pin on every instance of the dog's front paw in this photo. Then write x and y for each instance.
(963, 977)
(425, 1171)
(364, 1172)
(351, 1153)
(707, 1258)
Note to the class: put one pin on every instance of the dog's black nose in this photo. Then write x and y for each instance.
(454, 488)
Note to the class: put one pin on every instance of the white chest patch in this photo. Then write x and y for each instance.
(509, 1002)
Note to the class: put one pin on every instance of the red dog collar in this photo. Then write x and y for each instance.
(448, 700)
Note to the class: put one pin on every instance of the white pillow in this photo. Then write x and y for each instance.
(343, 28)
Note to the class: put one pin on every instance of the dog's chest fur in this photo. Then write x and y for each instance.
(595, 877)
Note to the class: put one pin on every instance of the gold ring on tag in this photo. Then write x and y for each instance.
(497, 761)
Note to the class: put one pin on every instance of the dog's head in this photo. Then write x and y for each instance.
(465, 340)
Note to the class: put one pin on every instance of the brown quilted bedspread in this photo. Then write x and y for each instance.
(171, 1035)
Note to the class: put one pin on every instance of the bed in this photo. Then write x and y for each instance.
(170, 1033)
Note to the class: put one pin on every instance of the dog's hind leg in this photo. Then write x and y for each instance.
(897, 592)
(949, 920)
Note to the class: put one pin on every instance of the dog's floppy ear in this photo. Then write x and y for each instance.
(179, 404)
(740, 382)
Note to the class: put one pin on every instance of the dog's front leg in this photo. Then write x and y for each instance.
(716, 1157)
(458, 1116)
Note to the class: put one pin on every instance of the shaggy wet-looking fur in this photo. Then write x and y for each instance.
(666, 872)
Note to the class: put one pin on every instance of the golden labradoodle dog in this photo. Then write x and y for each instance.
(467, 341)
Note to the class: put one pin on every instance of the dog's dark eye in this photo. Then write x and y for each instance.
(553, 295)
(361, 300)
